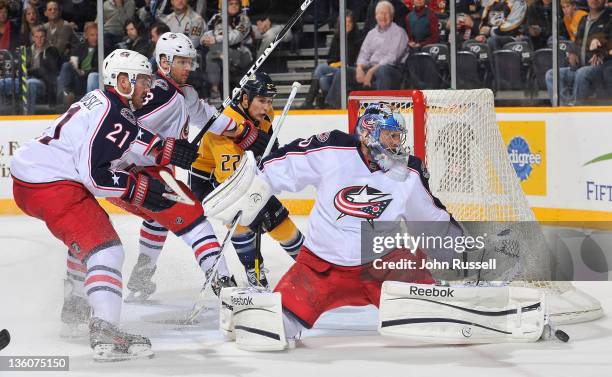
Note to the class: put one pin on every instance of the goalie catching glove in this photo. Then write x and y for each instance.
(148, 192)
(178, 152)
(251, 138)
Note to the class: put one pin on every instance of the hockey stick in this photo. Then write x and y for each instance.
(198, 307)
(294, 89)
(258, 63)
(179, 194)
(5, 339)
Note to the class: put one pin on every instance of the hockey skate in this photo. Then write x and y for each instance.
(75, 314)
(218, 282)
(140, 284)
(111, 344)
(252, 278)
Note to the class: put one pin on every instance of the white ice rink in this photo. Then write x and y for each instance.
(343, 343)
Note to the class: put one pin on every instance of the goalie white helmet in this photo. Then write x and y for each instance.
(129, 62)
(174, 44)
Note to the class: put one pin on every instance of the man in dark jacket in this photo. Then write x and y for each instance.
(80, 74)
(42, 65)
(586, 57)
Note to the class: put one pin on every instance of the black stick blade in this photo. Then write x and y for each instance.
(5, 338)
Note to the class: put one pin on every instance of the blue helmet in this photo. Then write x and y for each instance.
(377, 118)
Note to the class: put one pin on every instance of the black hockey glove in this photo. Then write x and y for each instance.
(178, 152)
(145, 191)
(270, 216)
(252, 139)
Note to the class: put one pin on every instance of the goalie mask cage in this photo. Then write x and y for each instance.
(454, 132)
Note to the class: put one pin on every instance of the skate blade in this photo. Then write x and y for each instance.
(137, 297)
(107, 353)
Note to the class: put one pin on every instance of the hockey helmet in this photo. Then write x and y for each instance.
(174, 44)
(384, 133)
(129, 62)
(259, 84)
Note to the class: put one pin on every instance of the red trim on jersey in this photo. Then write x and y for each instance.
(228, 125)
(45, 184)
(103, 279)
(152, 237)
(205, 247)
(306, 152)
(76, 266)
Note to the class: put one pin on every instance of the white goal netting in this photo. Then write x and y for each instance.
(455, 132)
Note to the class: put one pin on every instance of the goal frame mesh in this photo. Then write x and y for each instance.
(566, 304)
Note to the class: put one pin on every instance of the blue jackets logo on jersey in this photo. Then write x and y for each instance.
(363, 202)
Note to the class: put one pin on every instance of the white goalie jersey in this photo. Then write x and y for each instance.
(348, 193)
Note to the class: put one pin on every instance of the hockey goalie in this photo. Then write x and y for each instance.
(367, 178)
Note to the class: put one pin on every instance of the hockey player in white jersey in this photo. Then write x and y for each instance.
(170, 107)
(87, 153)
(360, 181)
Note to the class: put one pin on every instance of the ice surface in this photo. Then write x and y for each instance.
(343, 343)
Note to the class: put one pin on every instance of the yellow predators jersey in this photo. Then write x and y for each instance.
(219, 154)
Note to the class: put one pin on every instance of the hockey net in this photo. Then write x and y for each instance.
(455, 133)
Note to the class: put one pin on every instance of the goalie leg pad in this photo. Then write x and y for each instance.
(258, 320)
(456, 315)
(243, 191)
(226, 311)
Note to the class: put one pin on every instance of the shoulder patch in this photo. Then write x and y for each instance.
(160, 83)
(323, 137)
(129, 115)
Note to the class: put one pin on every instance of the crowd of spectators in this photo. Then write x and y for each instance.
(58, 39)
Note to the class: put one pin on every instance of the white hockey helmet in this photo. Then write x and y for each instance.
(129, 62)
(174, 44)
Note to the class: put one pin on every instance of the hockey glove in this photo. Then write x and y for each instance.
(145, 191)
(252, 139)
(178, 152)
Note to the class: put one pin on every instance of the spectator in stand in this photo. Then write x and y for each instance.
(399, 14)
(60, 33)
(325, 73)
(264, 32)
(29, 20)
(185, 20)
(539, 22)
(586, 56)
(468, 20)
(571, 19)
(136, 38)
(157, 29)
(116, 13)
(378, 63)
(80, 74)
(239, 37)
(501, 22)
(40, 7)
(79, 12)
(145, 15)
(421, 26)
(42, 62)
(9, 31)
(437, 6)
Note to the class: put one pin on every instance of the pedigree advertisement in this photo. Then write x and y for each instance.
(525, 143)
